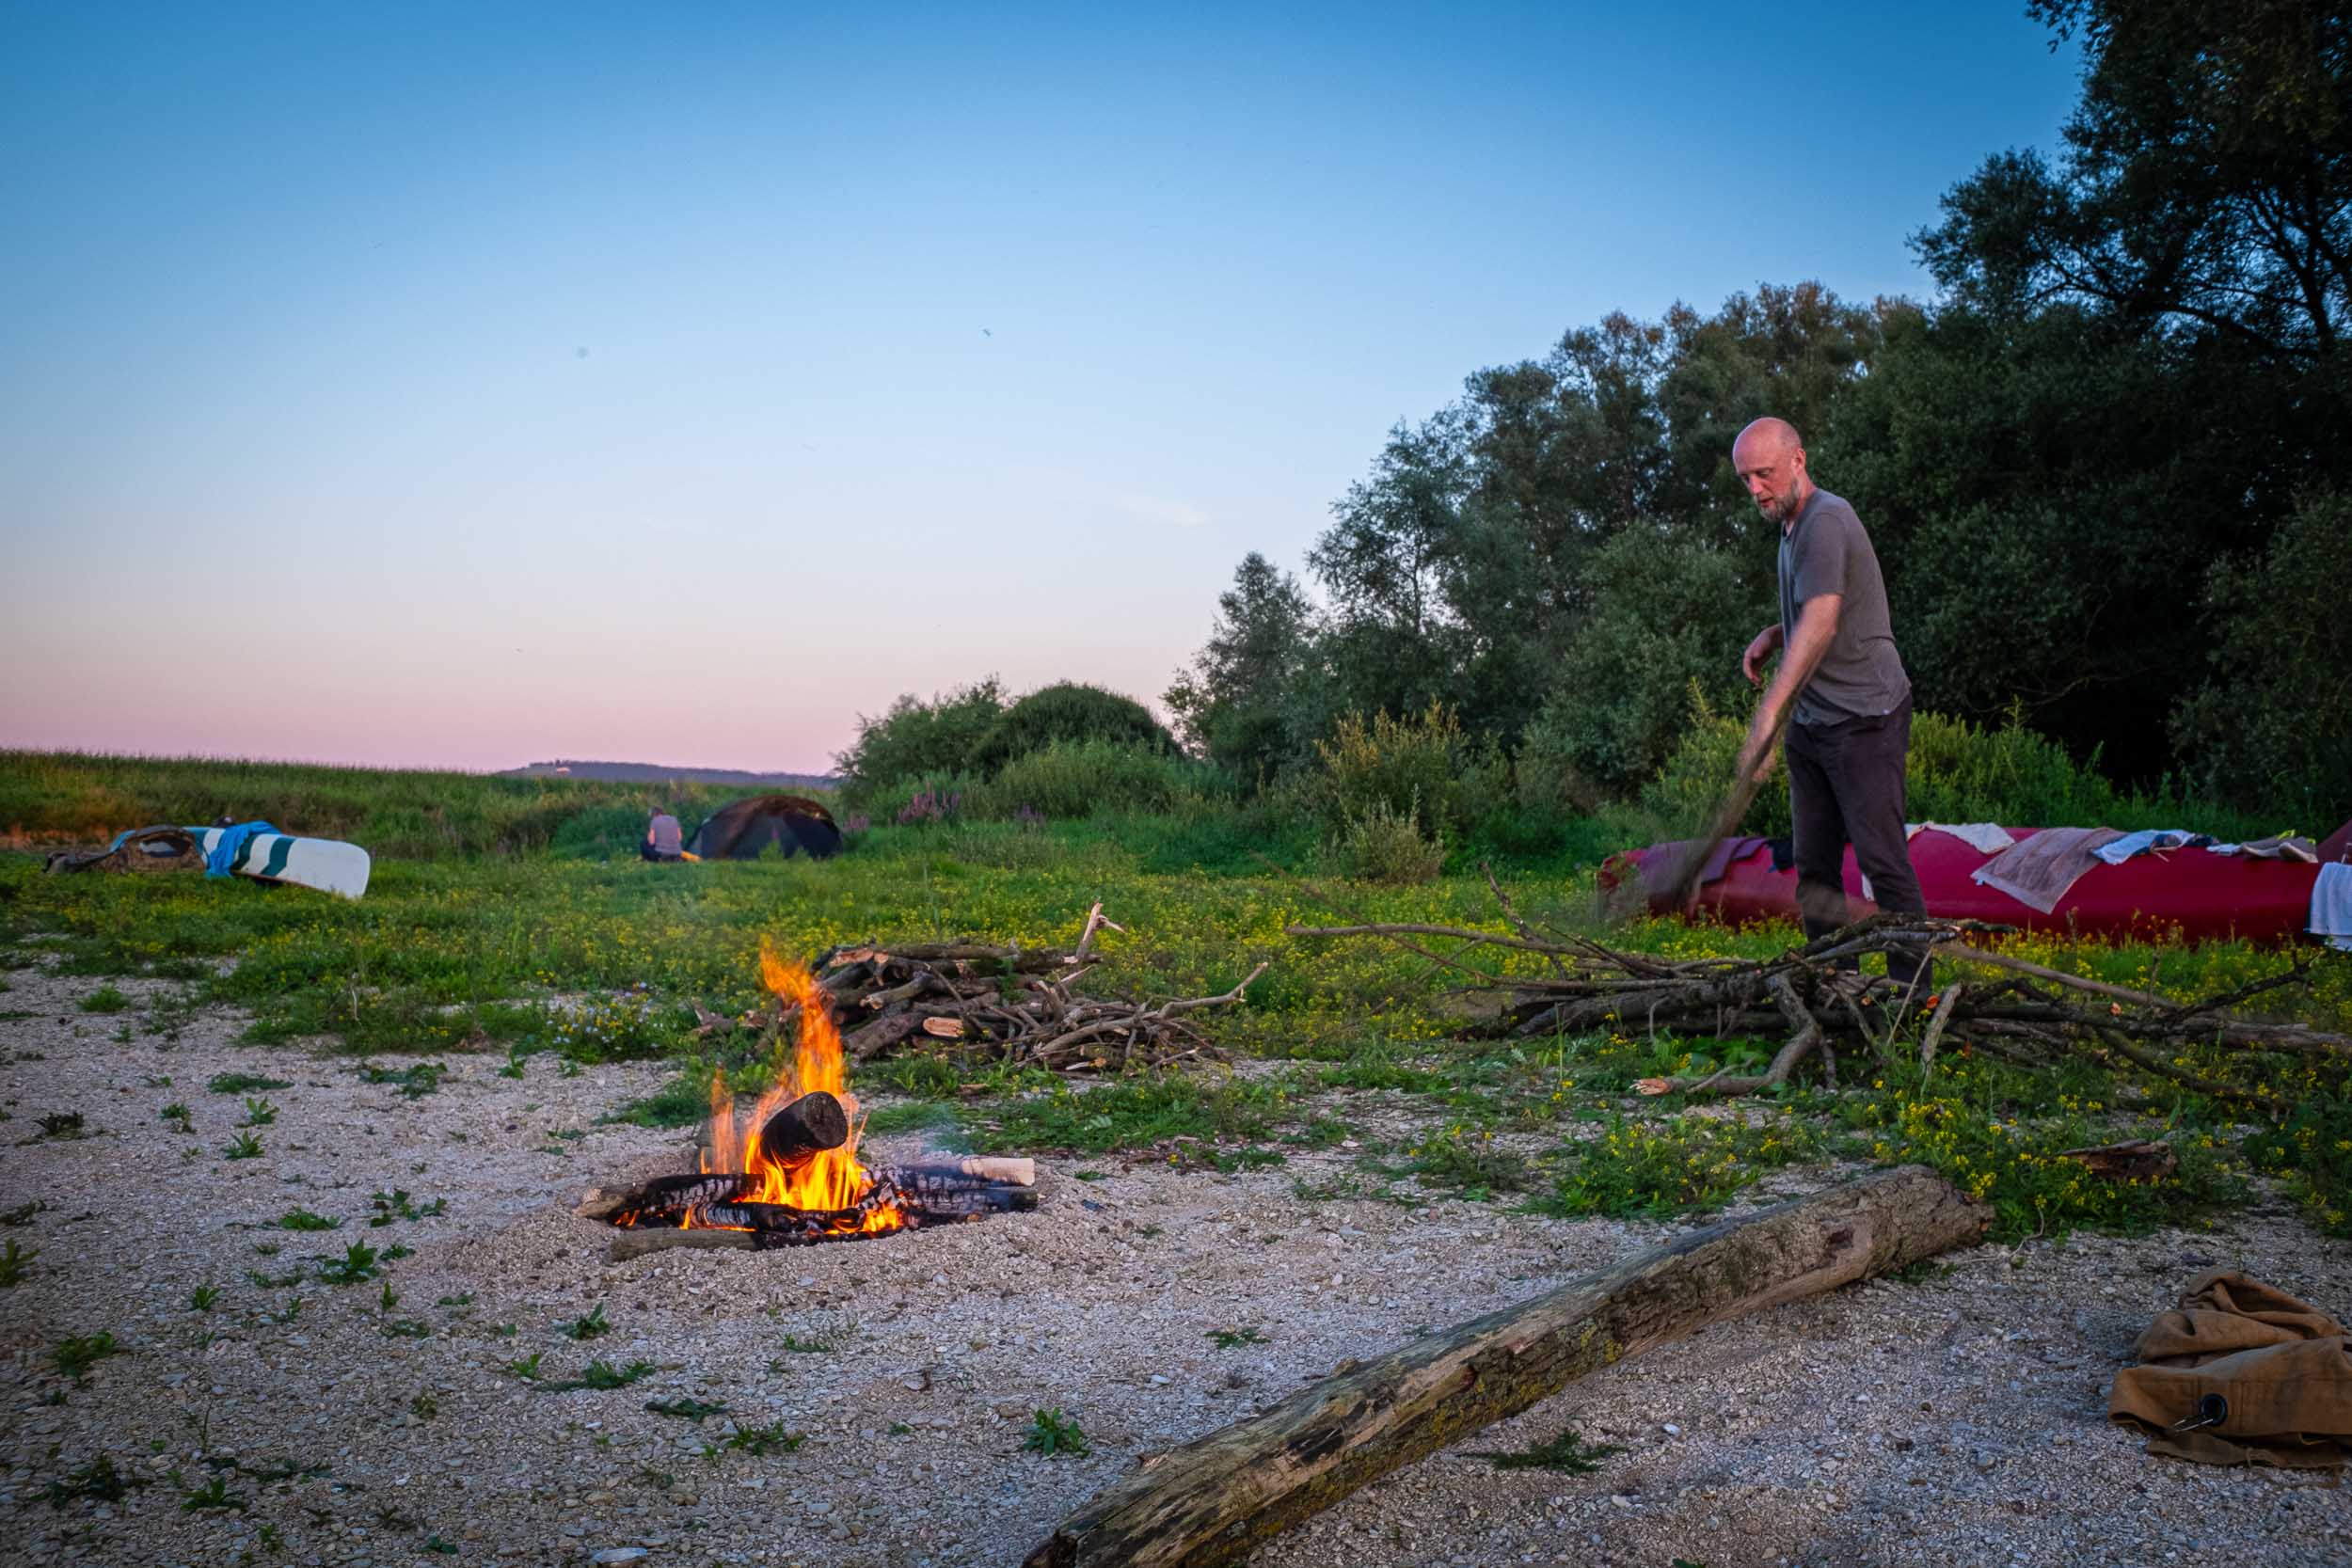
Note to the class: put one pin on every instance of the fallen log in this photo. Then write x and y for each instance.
(1217, 1498)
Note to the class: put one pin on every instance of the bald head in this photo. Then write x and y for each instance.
(1770, 460)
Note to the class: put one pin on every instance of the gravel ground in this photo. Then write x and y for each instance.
(1954, 1422)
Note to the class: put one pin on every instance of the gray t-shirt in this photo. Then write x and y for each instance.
(664, 835)
(1828, 552)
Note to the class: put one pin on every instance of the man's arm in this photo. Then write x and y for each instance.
(1752, 662)
(1817, 625)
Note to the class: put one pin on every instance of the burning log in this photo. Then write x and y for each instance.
(1216, 1499)
(724, 1205)
(805, 1128)
(796, 1180)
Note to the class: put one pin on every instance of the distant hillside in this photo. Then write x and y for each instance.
(647, 772)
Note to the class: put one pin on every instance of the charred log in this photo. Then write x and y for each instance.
(805, 1129)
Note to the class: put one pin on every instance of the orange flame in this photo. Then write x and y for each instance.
(833, 1180)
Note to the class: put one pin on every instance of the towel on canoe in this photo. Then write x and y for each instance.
(228, 850)
(2278, 847)
(2150, 841)
(1985, 838)
(2331, 906)
(2240, 1373)
(2040, 870)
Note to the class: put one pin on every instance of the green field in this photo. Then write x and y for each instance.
(521, 949)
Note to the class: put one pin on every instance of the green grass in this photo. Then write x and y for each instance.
(1055, 1436)
(478, 935)
(245, 1083)
(75, 1355)
(410, 816)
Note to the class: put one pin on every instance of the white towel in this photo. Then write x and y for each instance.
(2150, 841)
(1985, 838)
(2331, 906)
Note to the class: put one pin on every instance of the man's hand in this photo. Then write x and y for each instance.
(1756, 760)
(1752, 662)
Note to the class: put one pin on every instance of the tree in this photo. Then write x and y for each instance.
(1069, 712)
(1796, 352)
(1465, 569)
(917, 738)
(1231, 705)
(1392, 642)
(2044, 492)
(2273, 726)
(1669, 618)
(2206, 180)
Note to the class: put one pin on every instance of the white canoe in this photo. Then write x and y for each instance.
(327, 865)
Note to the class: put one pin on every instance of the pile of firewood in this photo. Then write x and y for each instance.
(1008, 1003)
(2029, 1014)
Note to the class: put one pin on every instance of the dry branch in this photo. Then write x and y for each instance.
(1216, 1500)
(1013, 1004)
(2035, 1016)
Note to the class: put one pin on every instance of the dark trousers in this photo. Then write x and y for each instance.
(1847, 786)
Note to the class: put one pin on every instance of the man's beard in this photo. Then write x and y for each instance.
(1784, 509)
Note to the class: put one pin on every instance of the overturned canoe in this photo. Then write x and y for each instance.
(327, 865)
(2190, 895)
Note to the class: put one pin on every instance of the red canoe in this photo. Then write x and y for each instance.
(2187, 895)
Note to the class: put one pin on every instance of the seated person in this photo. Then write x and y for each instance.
(665, 839)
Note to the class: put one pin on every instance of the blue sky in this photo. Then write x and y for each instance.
(463, 385)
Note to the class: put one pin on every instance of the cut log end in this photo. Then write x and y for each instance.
(810, 1125)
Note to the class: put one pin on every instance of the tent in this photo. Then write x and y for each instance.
(793, 823)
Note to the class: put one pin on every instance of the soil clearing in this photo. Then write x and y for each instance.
(1959, 1419)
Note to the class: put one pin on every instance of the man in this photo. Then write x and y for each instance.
(665, 839)
(1840, 688)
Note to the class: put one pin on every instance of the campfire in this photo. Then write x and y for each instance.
(789, 1174)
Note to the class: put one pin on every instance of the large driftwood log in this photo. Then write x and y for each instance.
(1216, 1500)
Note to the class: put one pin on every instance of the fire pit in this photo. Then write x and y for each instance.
(789, 1174)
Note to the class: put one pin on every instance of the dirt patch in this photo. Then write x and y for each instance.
(1954, 1420)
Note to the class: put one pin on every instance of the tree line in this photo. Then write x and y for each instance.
(2105, 469)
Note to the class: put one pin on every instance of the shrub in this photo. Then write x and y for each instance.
(1959, 772)
(1406, 766)
(1381, 843)
(1074, 778)
(1680, 800)
(926, 797)
(927, 806)
(917, 739)
(1069, 713)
